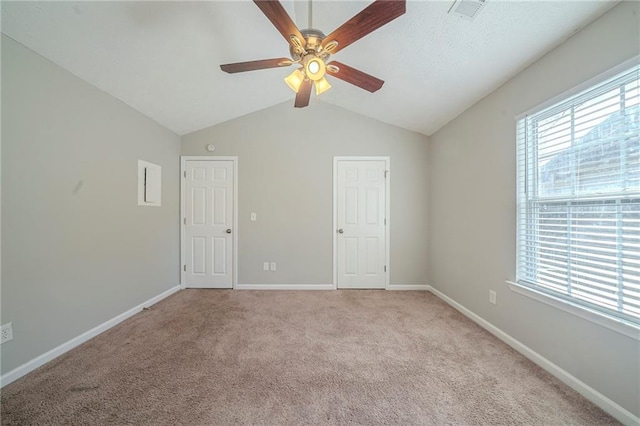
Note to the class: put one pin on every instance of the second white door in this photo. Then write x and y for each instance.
(361, 223)
(209, 223)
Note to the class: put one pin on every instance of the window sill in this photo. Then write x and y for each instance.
(618, 325)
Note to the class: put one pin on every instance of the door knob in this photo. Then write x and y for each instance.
(340, 231)
(228, 231)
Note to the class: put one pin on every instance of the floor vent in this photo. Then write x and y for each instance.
(467, 9)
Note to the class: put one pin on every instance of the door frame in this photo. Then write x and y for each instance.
(183, 177)
(387, 228)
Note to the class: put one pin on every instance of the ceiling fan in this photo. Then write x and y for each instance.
(310, 48)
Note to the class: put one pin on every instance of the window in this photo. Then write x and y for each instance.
(579, 198)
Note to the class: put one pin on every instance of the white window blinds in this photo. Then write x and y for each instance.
(579, 198)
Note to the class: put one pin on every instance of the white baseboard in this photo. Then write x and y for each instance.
(422, 287)
(620, 413)
(284, 286)
(29, 366)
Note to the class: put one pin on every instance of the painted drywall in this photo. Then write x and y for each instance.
(472, 215)
(285, 175)
(76, 248)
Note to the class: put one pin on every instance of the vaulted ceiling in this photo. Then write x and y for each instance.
(162, 58)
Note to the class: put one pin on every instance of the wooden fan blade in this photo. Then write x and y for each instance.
(275, 12)
(255, 65)
(304, 94)
(355, 77)
(377, 14)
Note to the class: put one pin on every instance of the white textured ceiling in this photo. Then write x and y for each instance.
(162, 58)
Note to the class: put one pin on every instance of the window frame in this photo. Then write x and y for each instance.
(573, 306)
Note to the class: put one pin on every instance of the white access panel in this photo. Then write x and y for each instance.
(149, 184)
(361, 228)
(209, 223)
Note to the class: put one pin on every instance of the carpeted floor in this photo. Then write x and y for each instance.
(204, 357)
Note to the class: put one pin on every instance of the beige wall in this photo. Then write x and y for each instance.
(285, 158)
(76, 248)
(473, 209)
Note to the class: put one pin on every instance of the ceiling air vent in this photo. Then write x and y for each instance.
(468, 9)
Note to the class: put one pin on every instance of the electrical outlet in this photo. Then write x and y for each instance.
(273, 266)
(7, 333)
(265, 266)
(492, 297)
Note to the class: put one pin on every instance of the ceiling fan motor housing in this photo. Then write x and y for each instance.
(313, 44)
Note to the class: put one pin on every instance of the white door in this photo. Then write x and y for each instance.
(209, 223)
(360, 219)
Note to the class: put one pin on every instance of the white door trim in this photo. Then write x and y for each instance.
(387, 162)
(183, 169)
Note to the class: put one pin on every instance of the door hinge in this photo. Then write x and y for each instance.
(386, 172)
(185, 268)
(185, 173)
(385, 268)
(385, 220)
(185, 221)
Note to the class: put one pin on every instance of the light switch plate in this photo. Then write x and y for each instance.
(273, 266)
(253, 216)
(265, 266)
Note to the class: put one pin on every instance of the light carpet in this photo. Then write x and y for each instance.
(204, 357)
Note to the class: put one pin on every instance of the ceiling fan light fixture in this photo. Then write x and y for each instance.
(315, 69)
(310, 48)
(322, 86)
(294, 80)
